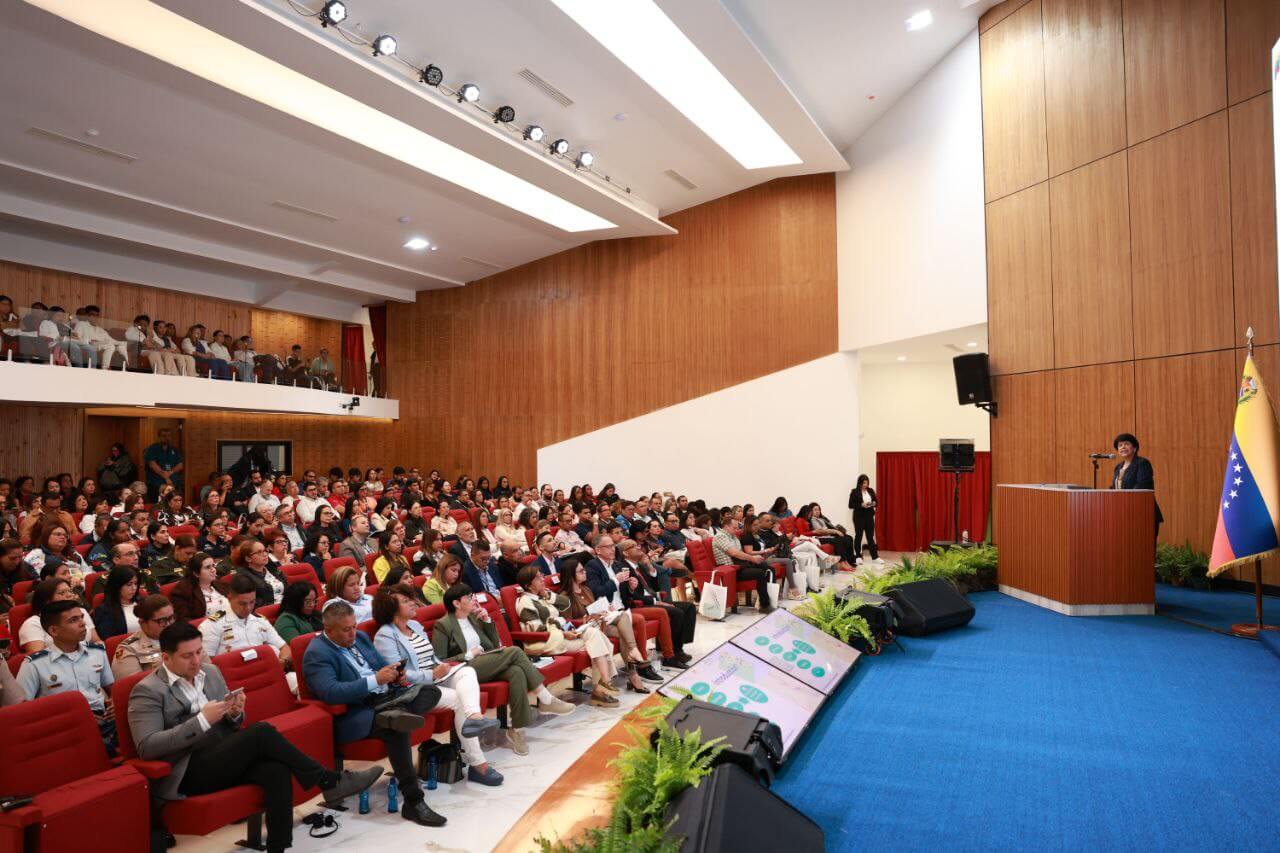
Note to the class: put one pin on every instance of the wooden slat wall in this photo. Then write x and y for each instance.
(41, 441)
(1158, 202)
(488, 373)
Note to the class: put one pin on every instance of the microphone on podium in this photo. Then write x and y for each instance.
(1102, 456)
(1093, 458)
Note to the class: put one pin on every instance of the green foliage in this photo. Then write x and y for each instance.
(649, 777)
(1182, 565)
(837, 617)
(965, 568)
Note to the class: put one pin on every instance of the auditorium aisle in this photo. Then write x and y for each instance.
(1028, 730)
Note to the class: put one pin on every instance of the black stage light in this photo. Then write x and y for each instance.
(504, 115)
(432, 75)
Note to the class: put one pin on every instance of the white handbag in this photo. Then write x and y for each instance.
(713, 599)
(773, 590)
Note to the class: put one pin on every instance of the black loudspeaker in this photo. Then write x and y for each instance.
(728, 812)
(973, 378)
(955, 454)
(929, 607)
(750, 741)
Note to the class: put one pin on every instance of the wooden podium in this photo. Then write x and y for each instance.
(1080, 552)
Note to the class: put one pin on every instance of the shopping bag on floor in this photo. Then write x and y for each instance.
(714, 598)
(773, 588)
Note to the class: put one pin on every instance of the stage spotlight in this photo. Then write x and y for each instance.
(505, 115)
(432, 75)
(534, 133)
(334, 12)
(585, 159)
(385, 46)
(469, 92)
(560, 146)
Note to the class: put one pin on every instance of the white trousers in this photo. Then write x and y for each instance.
(106, 350)
(463, 697)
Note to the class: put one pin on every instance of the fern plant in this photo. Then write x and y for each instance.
(650, 775)
(1182, 565)
(964, 568)
(837, 617)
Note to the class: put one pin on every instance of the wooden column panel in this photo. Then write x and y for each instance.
(1185, 407)
(1180, 200)
(41, 441)
(1024, 435)
(1083, 81)
(1253, 219)
(1092, 287)
(998, 13)
(1253, 26)
(1013, 122)
(1094, 405)
(1019, 284)
(1175, 63)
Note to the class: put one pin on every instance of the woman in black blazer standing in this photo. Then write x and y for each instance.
(1134, 471)
(862, 500)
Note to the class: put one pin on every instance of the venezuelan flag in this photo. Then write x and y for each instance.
(1249, 510)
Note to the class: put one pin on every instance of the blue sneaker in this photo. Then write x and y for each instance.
(490, 777)
(476, 726)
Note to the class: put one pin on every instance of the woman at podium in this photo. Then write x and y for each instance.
(1134, 471)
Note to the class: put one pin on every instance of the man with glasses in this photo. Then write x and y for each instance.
(140, 651)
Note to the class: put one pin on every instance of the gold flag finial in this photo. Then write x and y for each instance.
(1248, 337)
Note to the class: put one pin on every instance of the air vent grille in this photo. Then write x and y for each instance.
(545, 88)
(680, 179)
(53, 136)
(481, 263)
(304, 211)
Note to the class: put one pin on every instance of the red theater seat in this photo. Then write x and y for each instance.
(302, 572)
(334, 563)
(704, 568)
(183, 529)
(51, 751)
(21, 590)
(270, 612)
(18, 614)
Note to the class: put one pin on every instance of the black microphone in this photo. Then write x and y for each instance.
(1102, 456)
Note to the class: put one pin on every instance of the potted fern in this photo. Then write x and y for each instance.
(839, 618)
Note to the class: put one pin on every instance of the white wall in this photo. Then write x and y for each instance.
(910, 225)
(794, 433)
(911, 406)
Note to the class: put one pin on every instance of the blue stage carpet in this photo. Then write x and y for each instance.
(1219, 608)
(1028, 730)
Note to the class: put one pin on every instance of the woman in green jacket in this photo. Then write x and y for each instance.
(298, 612)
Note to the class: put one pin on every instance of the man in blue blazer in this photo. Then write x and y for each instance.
(479, 571)
(342, 667)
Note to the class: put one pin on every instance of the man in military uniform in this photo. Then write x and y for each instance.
(71, 663)
(242, 628)
(171, 568)
(140, 651)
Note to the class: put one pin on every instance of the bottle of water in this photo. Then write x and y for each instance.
(364, 801)
(393, 798)
(431, 773)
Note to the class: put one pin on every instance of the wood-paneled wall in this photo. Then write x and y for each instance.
(41, 441)
(1131, 235)
(488, 373)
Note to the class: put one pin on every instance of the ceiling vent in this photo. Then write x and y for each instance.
(545, 88)
(51, 136)
(481, 263)
(304, 211)
(680, 179)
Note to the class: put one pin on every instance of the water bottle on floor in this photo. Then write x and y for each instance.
(431, 773)
(364, 801)
(393, 798)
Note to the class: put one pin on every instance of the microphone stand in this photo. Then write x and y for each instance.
(1094, 460)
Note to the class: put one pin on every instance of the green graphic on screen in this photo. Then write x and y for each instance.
(797, 655)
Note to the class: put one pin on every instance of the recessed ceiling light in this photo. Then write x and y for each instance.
(649, 43)
(902, 358)
(919, 21)
(433, 248)
(403, 220)
(167, 36)
(417, 244)
(972, 344)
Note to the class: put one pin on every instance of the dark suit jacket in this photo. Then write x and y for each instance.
(447, 639)
(855, 503)
(165, 729)
(507, 571)
(643, 595)
(600, 580)
(471, 576)
(545, 566)
(1139, 476)
(333, 678)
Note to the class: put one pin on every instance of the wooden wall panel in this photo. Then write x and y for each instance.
(1094, 405)
(1253, 219)
(277, 331)
(1083, 81)
(1179, 191)
(1185, 406)
(1019, 282)
(1013, 119)
(1253, 26)
(41, 441)
(614, 329)
(998, 13)
(1024, 436)
(1175, 63)
(1092, 288)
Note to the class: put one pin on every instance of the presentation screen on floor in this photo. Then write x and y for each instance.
(797, 648)
(729, 676)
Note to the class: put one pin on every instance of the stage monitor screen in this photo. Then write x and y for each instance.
(797, 648)
(730, 677)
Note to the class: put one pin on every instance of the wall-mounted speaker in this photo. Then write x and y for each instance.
(973, 379)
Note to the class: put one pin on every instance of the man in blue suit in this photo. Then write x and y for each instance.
(342, 667)
(479, 571)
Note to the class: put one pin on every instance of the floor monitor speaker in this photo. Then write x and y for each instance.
(728, 812)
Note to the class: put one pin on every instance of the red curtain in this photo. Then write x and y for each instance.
(916, 499)
(354, 370)
(378, 325)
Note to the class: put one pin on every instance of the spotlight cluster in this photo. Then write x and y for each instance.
(334, 12)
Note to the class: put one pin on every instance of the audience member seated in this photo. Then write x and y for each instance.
(347, 584)
(299, 613)
(250, 365)
(538, 610)
(115, 616)
(401, 638)
(251, 562)
(608, 574)
(726, 547)
(172, 566)
(466, 633)
(480, 572)
(626, 626)
(71, 661)
(390, 555)
(89, 331)
(322, 370)
(207, 363)
(442, 522)
(31, 634)
(359, 544)
(343, 667)
(640, 592)
(49, 510)
(279, 554)
(264, 494)
(240, 627)
(140, 651)
(183, 714)
(152, 351)
(13, 570)
(194, 594)
(448, 571)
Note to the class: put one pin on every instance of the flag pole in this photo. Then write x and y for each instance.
(1253, 629)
